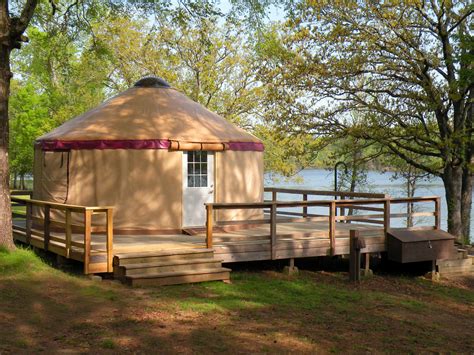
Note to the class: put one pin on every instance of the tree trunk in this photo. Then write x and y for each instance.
(6, 239)
(466, 204)
(452, 178)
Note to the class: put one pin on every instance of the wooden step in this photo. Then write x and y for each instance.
(169, 266)
(162, 256)
(449, 263)
(179, 277)
(454, 267)
(457, 271)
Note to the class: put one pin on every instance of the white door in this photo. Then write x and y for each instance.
(198, 186)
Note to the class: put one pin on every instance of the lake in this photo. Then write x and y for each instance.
(320, 179)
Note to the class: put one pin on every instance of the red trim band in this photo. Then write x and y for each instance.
(246, 146)
(55, 145)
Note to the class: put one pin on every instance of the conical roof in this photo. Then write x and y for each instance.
(150, 114)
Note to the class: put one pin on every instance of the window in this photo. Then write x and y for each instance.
(197, 169)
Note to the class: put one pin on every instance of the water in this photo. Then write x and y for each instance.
(320, 179)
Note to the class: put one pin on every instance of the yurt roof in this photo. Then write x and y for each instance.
(149, 115)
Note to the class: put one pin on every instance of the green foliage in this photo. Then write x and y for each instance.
(377, 73)
(29, 118)
(287, 154)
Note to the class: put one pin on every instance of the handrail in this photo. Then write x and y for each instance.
(381, 218)
(344, 203)
(61, 206)
(86, 211)
(21, 192)
(324, 192)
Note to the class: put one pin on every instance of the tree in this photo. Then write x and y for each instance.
(211, 63)
(29, 119)
(12, 28)
(405, 68)
(411, 176)
(286, 154)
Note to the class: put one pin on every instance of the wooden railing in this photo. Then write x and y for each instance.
(382, 219)
(307, 193)
(67, 227)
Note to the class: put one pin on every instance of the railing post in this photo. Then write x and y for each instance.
(46, 227)
(332, 227)
(343, 209)
(305, 208)
(68, 233)
(29, 221)
(209, 220)
(274, 196)
(438, 213)
(273, 230)
(87, 239)
(386, 216)
(110, 237)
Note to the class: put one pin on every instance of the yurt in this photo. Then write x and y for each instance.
(153, 154)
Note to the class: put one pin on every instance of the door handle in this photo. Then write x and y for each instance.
(210, 192)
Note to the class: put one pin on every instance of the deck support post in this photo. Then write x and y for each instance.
(356, 244)
(291, 269)
(367, 271)
(273, 230)
(209, 221)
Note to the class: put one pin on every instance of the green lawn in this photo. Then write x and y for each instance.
(44, 309)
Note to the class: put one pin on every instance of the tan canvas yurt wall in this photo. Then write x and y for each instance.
(128, 153)
(239, 178)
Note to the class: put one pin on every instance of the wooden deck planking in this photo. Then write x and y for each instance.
(293, 240)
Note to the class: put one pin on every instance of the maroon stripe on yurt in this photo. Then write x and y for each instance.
(106, 144)
(55, 145)
(251, 146)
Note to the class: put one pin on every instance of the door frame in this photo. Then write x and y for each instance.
(211, 184)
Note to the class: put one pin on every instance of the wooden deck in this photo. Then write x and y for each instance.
(287, 230)
(294, 240)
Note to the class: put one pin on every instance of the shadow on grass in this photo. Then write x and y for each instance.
(45, 309)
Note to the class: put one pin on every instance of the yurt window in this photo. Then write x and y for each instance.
(197, 169)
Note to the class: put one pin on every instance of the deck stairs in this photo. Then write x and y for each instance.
(461, 264)
(169, 267)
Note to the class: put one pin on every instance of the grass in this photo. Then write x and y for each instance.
(44, 309)
(22, 261)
